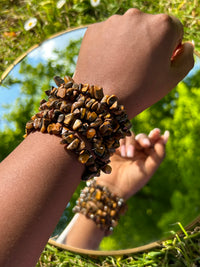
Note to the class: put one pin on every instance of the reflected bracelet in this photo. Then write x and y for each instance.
(89, 122)
(97, 203)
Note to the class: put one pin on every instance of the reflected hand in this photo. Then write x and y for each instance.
(134, 163)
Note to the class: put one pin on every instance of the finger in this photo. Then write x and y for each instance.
(165, 136)
(154, 135)
(143, 140)
(122, 148)
(130, 146)
(183, 61)
(156, 156)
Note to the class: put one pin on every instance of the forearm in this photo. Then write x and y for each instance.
(83, 233)
(36, 181)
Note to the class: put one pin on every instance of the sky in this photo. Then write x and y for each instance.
(41, 54)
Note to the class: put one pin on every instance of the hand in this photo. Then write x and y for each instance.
(135, 162)
(138, 57)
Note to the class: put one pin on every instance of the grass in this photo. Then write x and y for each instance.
(182, 249)
(179, 251)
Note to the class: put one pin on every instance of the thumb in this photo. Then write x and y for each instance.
(182, 61)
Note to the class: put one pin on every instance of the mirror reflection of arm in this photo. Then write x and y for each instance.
(133, 165)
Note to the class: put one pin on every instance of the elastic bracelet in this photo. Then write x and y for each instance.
(97, 203)
(89, 122)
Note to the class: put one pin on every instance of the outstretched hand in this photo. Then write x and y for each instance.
(134, 163)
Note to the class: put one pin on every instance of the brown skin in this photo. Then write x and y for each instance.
(133, 165)
(124, 54)
(143, 72)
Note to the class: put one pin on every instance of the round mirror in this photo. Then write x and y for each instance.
(171, 196)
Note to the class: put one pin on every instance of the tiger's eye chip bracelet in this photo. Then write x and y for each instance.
(97, 203)
(89, 122)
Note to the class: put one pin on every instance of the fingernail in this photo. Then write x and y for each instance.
(193, 43)
(166, 136)
(146, 142)
(153, 131)
(130, 151)
(123, 151)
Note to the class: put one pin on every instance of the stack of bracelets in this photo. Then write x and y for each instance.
(89, 122)
(97, 203)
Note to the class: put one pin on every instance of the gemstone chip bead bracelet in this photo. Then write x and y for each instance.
(89, 122)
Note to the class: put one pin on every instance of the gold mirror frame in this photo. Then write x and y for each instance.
(51, 241)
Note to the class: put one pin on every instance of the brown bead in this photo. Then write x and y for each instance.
(98, 194)
(92, 189)
(90, 133)
(111, 100)
(90, 103)
(84, 89)
(83, 112)
(99, 212)
(87, 175)
(99, 150)
(54, 128)
(105, 128)
(81, 145)
(66, 107)
(104, 99)
(44, 125)
(112, 213)
(68, 79)
(53, 91)
(96, 123)
(75, 86)
(58, 80)
(61, 92)
(68, 85)
(115, 126)
(37, 123)
(127, 124)
(91, 206)
(114, 205)
(66, 131)
(101, 109)
(83, 129)
(84, 156)
(93, 168)
(114, 106)
(42, 101)
(68, 138)
(91, 116)
(61, 118)
(91, 90)
(98, 92)
(77, 124)
(69, 92)
(94, 106)
(77, 113)
(90, 161)
(68, 119)
(76, 105)
(29, 125)
(107, 169)
(74, 144)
